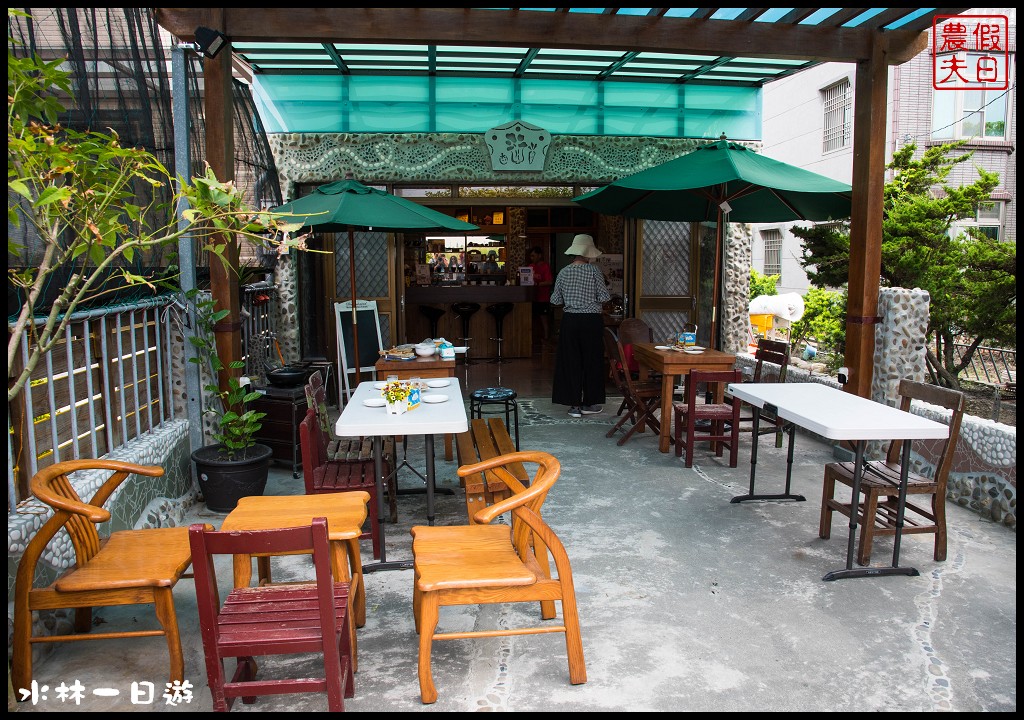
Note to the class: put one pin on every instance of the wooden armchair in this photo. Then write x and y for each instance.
(130, 567)
(880, 482)
(483, 564)
(272, 620)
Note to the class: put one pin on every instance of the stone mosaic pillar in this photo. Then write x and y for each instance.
(899, 347)
(735, 320)
(899, 341)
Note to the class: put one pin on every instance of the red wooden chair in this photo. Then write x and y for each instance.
(321, 475)
(273, 619)
(724, 417)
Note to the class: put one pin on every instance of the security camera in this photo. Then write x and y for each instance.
(843, 375)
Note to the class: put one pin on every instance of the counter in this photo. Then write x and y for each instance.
(517, 327)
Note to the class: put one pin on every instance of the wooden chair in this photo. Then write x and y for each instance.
(348, 449)
(130, 567)
(330, 476)
(272, 619)
(483, 564)
(770, 351)
(642, 398)
(880, 482)
(724, 428)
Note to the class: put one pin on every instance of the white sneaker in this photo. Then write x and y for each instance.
(592, 409)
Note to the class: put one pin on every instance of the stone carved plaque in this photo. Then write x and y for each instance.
(517, 145)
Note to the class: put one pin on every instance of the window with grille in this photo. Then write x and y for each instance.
(837, 102)
(772, 251)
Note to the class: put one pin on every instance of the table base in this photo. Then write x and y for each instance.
(870, 572)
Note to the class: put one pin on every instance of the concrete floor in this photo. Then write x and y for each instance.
(687, 602)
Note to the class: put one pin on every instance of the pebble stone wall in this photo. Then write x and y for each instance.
(138, 503)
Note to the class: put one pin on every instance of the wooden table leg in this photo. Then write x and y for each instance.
(667, 386)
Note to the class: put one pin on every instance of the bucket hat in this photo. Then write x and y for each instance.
(583, 245)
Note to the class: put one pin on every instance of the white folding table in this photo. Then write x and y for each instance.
(838, 415)
(428, 419)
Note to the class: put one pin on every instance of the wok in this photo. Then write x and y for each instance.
(288, 376)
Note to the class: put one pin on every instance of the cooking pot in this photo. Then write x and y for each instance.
(288, 376)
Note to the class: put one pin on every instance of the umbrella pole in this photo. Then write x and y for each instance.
(352, 286)
(718, 270)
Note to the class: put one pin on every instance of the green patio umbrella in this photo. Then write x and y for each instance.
(722, 181)
(348, 205)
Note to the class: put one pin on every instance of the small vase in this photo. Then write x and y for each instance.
(397, 408)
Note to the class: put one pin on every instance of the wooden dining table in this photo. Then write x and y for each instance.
(673, 364)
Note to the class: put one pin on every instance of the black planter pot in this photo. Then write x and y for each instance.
(224, 481)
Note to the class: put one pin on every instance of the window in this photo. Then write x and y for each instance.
(988, 220)
(961, 114)
(836, 100)
(772, 251)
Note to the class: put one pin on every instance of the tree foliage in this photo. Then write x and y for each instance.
(79, 194)
(971, 278)
(763, 284)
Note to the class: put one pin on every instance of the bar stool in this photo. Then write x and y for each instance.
(506, 397)
(465, 311)
(499, 311)
(433, 315)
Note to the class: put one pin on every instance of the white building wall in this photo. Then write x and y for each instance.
(793, 130)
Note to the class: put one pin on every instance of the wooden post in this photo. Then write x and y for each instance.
(220, 153)
(866, 218)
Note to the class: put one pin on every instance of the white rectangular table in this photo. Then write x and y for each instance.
(428, 419)
(838, 415)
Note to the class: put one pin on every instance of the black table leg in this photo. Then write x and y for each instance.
(858, 472)
(378, 469)
(791, 429)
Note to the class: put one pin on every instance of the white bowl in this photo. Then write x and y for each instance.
(425, 350)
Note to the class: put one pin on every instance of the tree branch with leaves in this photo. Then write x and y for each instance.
(93, 210)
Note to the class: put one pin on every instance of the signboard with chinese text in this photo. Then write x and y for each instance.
(970, 52)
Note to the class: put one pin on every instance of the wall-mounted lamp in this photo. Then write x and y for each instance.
(210, 42)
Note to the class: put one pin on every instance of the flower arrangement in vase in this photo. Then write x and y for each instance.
(396, 395)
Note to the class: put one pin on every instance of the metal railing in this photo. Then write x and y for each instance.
(107, 381)
(989, 365)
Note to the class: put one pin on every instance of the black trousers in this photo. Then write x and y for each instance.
(579, 362)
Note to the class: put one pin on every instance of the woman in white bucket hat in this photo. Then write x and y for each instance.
(579, 363)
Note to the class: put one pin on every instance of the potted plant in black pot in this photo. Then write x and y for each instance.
(236, 466)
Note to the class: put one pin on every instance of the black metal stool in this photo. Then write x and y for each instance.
(465, 311)
(506, 397)
(499, 311)
(433, 315)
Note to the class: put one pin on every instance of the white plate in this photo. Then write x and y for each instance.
(434, 398)
(700, 348)
(693, 351)
(379, 385)
(662, 347)
(439, 383)
(374, 402)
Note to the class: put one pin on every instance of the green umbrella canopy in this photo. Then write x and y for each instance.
(691, 188)
(348, 204)
(722, 181)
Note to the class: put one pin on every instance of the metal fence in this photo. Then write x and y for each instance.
(106, 381)
(992, 366)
